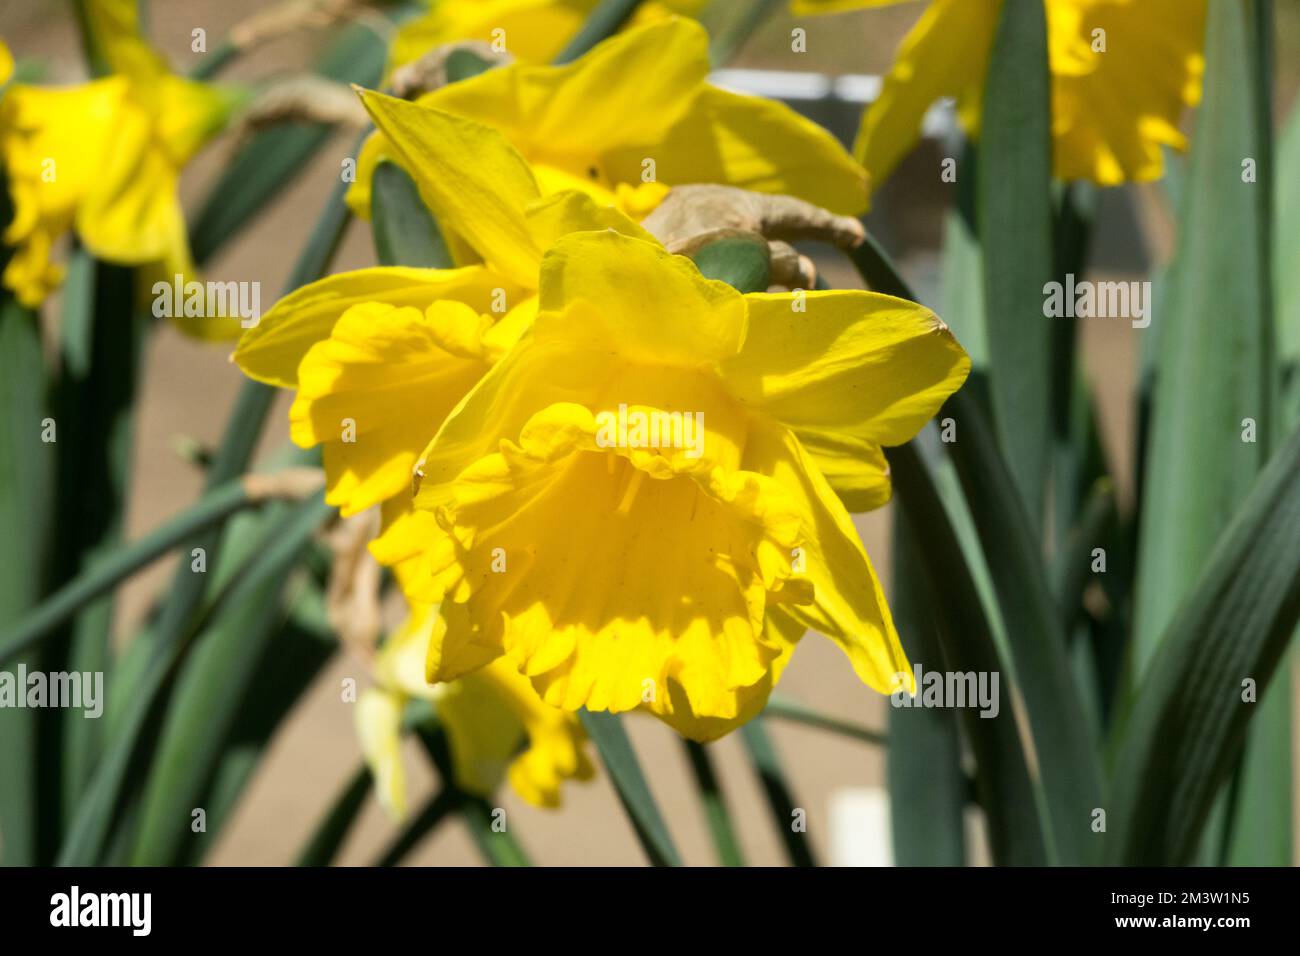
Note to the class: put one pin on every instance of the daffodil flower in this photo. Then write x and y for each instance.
(6, 64)
(532, 31)
(487, 717)
(1123, 71)
(624, 122)
(104, 158)
(618, 576)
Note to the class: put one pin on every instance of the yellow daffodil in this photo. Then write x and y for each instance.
(630, 118)
(6, 64)
(487, 717)
(1123, 71)
(104, 158)
(532, 31)
(616, 575)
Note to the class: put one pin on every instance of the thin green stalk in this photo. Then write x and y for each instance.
(733, 35)
(324, 844)
(425, 822)
(498, 846)
(785, 814)
(799, 714)
(213, 63)
(715, 807)
(101, 578)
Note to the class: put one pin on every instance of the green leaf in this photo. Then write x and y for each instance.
(781, 709)
(1211, 371)
(927, 788)
(1066, 751)
(1015, 225)
(1188, 720)
(325, 842)
(1013, 804)
(780, 799)
(715, 805)
(604, 21)
(213, 681)
(26, 514)
(607, 733)
(99, 579)
(293, 660)
(405, 232)
(497, 845)
(274, 157)
(437, 809)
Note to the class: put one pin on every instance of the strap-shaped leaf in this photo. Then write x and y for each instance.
(1013, 803)
(1066, 750)
(274, 157)
(607, 733)
(780, 798)
(1015, 225)
(1189, 717)
(406, 233)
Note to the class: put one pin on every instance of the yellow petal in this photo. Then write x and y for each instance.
(478, 184)
(814, 7)
(53, 143)
(944, 54)
(379, 728)
(533, 31)
(849, 604)
(855, 468)
(598, 288)
(781, 631)
(272, 350)
(6, 63)
(378, 388)
(559, 214)
(629, 573)
(752, 143)
(399, 663)
(488, 714)
(1114, 112)
(862, 364)
(627, 89)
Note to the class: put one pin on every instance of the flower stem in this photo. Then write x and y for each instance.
(799, 714)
